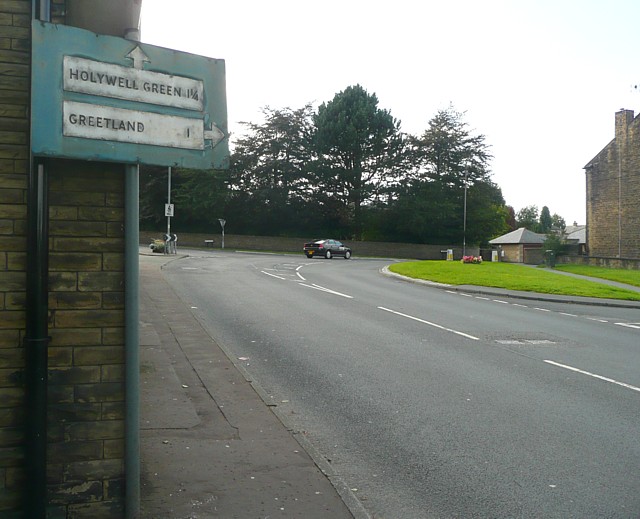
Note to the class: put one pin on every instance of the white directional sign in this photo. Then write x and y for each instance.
(121, 125)
(104, 79)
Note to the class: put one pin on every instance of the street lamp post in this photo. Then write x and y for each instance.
(464, 221)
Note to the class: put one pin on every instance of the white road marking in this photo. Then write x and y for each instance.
(600, 377)
(542, 309)
(597, 320)
(323, 289)
(630, 325)
(568, 315)
(429, 323)
(300, 276)
(273, 275)
(501, 302)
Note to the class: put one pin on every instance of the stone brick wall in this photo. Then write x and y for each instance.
(15, 20)
(85, 467)
(86, 352)
(613, 191)
(286, 244)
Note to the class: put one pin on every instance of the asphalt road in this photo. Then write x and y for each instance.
(433, 403)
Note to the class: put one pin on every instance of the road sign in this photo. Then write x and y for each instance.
(97, 97)
(168, 209)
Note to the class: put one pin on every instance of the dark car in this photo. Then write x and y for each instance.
(326, 248)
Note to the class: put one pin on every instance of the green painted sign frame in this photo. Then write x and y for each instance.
(97, 97)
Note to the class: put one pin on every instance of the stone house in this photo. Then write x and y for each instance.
(613, 191)
(520, 246)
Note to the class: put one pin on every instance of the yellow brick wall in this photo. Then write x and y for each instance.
(15, 18)
(85, 467)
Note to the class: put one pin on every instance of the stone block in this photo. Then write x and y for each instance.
(113, 411)
(104, 392)
(101, 430)
(112, 300)
(87, 318)
(59, 357)
(113, 261)
(74, 412)
(12, 319)
(63, 281)
(12, 281)
(68, 376)
(75, 300)
(101, 281)
(98, 355)
(75, 336)
(113, 336)
(69, 493)
(70, 451)
(76, 228)
(112, 372)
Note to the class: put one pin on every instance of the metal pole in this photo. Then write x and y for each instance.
(464, 224)
(131, 343)
(36, 338)
(169, 201)
(37, 342)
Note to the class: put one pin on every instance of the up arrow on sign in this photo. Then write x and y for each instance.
(138, 57)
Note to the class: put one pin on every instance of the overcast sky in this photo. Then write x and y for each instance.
(541, 79)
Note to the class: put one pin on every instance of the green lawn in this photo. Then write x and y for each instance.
(512, 277)
(630, 277)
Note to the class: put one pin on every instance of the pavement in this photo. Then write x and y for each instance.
(213, 445)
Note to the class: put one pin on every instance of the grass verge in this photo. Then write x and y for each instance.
(630, 277)
(511, 277)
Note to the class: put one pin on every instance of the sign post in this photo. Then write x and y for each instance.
(222, 222)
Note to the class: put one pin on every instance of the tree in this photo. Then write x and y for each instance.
(271, 170)
(448, 152)
(528, 217)
(359, 145)
(545, 220)
(558, 222)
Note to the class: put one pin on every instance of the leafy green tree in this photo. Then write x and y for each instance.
(449, 152)
(270, 171)
(558, 222)
(511, 219)
(528, 217)
(359, 145)
(546, 221)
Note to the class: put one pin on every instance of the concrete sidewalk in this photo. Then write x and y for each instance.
(210, 446)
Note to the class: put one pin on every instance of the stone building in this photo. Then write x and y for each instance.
(613, 192)
(81, 282)
(520, 246)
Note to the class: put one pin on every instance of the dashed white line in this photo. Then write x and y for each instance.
(323, 289)
(600, 377)
(273, 275)
(429, 323)
(501, 302)
(597, 320)
(542, 309)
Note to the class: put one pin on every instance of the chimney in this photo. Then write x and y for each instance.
(623, 119)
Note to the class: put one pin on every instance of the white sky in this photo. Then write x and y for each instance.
(541, 79)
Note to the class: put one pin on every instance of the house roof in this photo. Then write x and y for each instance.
(520, 235)
(579, 235)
